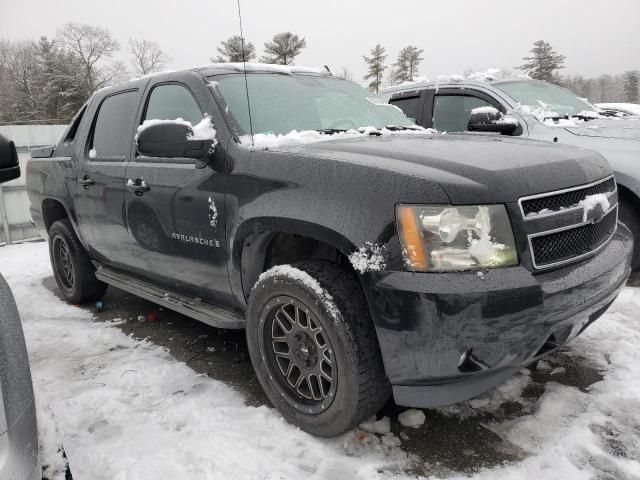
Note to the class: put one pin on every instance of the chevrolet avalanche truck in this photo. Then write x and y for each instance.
(528, 108)
(364, 256)
(18, 428)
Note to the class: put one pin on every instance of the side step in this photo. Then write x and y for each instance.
(194, 308)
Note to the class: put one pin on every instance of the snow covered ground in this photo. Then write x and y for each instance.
(125, 409)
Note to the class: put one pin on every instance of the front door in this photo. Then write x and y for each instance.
(176, 212)
(101, 179)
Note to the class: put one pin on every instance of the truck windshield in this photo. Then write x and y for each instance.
(283, 103)
(550, 98)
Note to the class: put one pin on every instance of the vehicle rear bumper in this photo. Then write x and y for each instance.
(446, 337)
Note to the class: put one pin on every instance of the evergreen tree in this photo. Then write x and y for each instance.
(406, 66)
(375, 67)
(631, 87)
(283, 49)
(231, 51)
(544, 62)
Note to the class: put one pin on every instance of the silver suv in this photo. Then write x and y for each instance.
(518, 106)
(18, 429)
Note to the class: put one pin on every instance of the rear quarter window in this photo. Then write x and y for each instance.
(409, 105)
(113, 126)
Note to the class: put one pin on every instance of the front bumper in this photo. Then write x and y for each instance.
(446, 337)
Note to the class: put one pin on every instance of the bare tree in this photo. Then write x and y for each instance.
(345, 74)
(19, 67)
(93, 46)
(147, 56)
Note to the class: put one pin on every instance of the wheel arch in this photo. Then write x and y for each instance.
(52, 211)
(255, 239)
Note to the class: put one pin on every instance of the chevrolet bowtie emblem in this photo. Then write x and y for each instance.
(593, 214)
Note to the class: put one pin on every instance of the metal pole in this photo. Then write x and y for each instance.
(3, 218)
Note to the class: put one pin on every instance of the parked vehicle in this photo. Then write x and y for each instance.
(370, 261)
(18, 429)
(624, 108)
(537, 110)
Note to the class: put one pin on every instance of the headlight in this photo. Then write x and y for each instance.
(440, 238)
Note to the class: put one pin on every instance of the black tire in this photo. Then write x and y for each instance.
(72, 268)
(335, 302)
(628, 215)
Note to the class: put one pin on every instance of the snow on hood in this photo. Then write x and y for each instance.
(586, 123)
(263, 141)
(628, 108)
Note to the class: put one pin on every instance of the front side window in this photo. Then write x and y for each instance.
(451, 113)
(170, 102)
(283, 103)
(554, 100)
(113, 125)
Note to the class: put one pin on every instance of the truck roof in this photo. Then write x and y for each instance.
(225, 68)
(454, 80)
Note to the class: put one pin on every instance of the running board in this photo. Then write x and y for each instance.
(194, 308)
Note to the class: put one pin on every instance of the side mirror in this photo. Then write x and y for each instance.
(489, 119)
(9, 165)
(173, 140)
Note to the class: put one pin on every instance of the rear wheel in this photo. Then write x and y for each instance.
(629, 216)
(314, 348)
(72, 268)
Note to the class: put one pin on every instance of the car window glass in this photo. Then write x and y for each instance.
(451, 112)
(169, 102)
(409, 105)
(282, 103)
(112, 130)
(73, 129)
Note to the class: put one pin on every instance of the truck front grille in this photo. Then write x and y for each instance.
(554, 202)
(575, 233)
(560, 246)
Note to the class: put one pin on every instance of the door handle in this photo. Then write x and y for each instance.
(86, 182)
(137, 186)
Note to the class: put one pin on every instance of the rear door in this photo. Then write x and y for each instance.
(101, 178)
(177, 220)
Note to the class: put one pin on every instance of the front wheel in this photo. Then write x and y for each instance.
(72, 268)
(314, 348)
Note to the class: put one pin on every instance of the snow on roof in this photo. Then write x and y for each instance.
(267, 67)
(489, 75)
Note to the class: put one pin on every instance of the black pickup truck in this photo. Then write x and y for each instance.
(365, 256)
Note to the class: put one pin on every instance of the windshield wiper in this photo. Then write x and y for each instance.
(397, 128)
(331, 131)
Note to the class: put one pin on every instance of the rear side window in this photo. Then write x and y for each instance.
(112, 132)
(409, 105)
(169, 102)
(73, 129)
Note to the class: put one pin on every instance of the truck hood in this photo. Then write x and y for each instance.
(621, 128)
(472, 169)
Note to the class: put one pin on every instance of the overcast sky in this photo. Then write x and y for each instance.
(597, 36)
